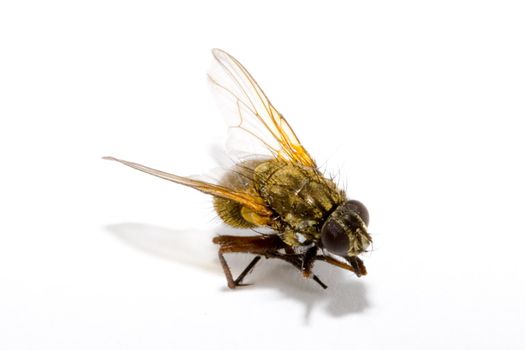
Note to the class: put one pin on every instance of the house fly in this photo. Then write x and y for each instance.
(309, 218)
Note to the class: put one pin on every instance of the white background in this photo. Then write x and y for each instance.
(417, 106)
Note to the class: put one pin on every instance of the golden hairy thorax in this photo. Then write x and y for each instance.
(300, 197)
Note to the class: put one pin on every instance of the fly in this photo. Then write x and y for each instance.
(310, 218)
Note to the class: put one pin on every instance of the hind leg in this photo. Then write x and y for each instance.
(259, 245)
(228, 274)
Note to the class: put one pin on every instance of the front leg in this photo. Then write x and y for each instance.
(356, 264)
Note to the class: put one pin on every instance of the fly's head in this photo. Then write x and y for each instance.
(344, 232)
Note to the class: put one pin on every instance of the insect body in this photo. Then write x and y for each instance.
(311, 219)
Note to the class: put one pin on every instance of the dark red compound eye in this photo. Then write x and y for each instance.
(334, 238)
(359, 208)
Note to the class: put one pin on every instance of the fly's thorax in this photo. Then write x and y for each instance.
(345, 231)
(300, 196)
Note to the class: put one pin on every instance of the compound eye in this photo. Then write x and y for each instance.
(358, 208)
(334, 238)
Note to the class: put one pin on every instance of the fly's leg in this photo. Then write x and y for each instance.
(228, 273)
(356, 265)
(315, 278)
(258, 245)
(308, 261)
(269, 246)
(297, 261)
(246, 271)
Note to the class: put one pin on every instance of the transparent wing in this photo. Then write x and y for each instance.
(254, 115)
(254, 203)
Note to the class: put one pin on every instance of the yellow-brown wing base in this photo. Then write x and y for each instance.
(249, 201)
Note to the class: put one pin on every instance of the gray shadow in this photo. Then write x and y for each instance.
(346, 294)
(188, 247)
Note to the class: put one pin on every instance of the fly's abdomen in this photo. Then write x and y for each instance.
(241, 177)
